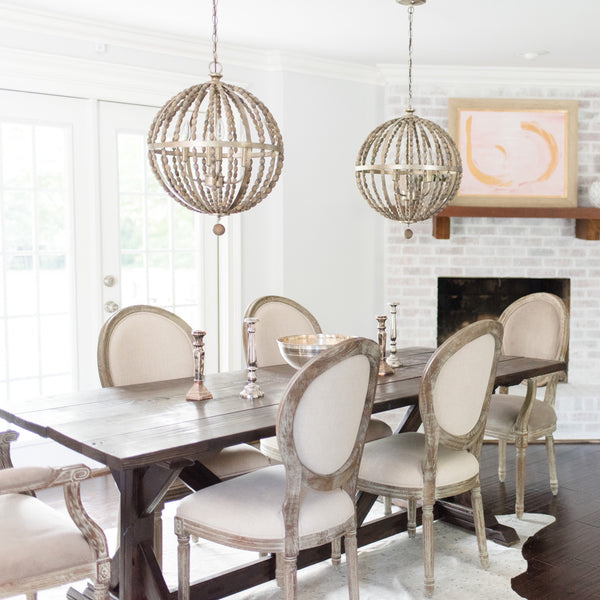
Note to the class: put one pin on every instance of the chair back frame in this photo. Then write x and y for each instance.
(298, 475)
(104, 338)
(254, 308)
(434, 433)
(562, 313)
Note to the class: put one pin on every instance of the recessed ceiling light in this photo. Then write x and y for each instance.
(533, 54)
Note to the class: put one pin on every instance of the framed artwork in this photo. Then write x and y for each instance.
(520, 152)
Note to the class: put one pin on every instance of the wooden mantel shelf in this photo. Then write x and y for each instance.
(587, 219)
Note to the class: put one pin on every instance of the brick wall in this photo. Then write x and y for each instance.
(507, 247)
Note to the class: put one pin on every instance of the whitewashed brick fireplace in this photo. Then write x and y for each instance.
(508, 247)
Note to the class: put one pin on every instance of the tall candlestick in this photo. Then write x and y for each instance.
(392, 358)
(198, 391)
(384, 368)
(252, 389)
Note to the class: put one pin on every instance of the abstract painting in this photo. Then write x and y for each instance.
(516, 152)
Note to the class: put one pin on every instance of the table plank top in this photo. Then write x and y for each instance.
(138, 425)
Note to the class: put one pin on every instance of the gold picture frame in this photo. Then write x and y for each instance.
(515, 153)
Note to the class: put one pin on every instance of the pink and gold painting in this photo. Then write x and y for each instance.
(516, 152)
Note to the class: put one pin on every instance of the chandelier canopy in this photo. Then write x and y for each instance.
(408, 168)
(215, 147)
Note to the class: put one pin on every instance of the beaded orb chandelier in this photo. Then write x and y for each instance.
(215, 147)
(408, 168)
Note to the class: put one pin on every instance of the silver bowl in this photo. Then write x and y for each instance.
(299, 349)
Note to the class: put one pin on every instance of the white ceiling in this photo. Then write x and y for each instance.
(446, 32)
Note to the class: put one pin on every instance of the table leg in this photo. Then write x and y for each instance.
(137, 573)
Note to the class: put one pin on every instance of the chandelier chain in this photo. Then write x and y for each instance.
(411, 10)
(215, 67)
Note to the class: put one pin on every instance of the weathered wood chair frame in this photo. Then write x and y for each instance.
(27, 480)
(299, 476)
(522, 432)
(436, 435)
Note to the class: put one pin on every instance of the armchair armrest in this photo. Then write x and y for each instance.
(27, 479)
(6, 437)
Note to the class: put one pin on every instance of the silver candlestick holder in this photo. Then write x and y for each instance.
(384, 368)
(392, 358)
(198, 391)
(252, 389)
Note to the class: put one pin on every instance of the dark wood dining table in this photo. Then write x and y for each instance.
(148, 435)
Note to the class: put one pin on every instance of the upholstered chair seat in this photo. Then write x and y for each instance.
(506, 408)
(259, 515)
(454, 399)
(398, 461)
(537, 326)
(41, 548)
(308, 500)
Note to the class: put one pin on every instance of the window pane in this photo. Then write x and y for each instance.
(56, 344)
(18, 220)
(133, 279)
(21, 286)
(131, 216)
(55, 296)
(23, 357)
(183, 228)
(132, 155)
(17, 155)
(52, 217)
(50, 157)
(24, 388)
(158, 223)
(60, 384)
(159, 280)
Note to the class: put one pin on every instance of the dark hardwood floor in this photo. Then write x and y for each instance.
(563, 558)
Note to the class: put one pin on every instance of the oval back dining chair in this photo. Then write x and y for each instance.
(141, 344)
(42, 548)
(537, 326)
(308, 500)
(278, 317)
(454, 398)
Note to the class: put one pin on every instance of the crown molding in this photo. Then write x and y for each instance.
(178, 46)
(83, 78)
(466, 76)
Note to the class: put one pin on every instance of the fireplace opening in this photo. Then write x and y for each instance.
(464, 300)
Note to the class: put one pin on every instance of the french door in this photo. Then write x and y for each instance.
(86, 229)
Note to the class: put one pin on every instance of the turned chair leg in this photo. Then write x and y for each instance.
(290, 582)
(428, 549)
(387, 505)
(336, 552)
(351, 546)
(183, 564)
(501, 460)
(477, 505)
(552, 464)
(521, 444)
(411, 526)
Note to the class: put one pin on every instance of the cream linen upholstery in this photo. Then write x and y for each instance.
(279, 316)
(259, 517)
(309, 499)
(537, 326)
(443, 461)
(41, 548)
(140, 344)
(399, 458)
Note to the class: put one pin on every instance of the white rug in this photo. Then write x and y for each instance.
(391, 568)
